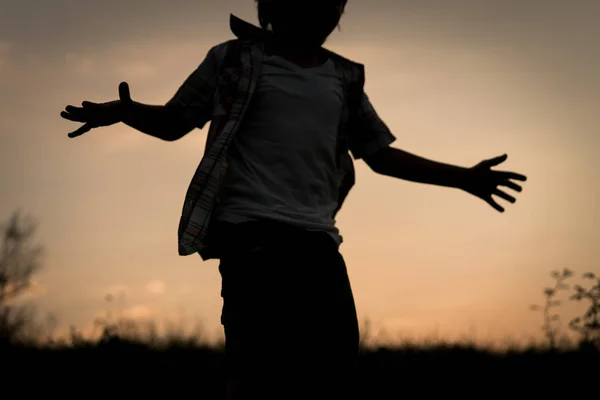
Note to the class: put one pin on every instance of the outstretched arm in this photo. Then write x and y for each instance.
(403, 165)
(370, 139)
(189, 108)
(479, 180)
(158, 121)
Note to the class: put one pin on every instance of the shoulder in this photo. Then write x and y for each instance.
(342, 60)
(232, 48)
(350, 68)
(220, 50)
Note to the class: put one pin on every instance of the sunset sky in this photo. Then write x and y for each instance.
(456, 81)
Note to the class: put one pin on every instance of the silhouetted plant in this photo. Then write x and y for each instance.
(588, 325)
(76, 338)
(550, 325)
(19, 261)
(364, 334)
(115, 327)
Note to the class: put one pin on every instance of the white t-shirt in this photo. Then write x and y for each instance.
(282, 162)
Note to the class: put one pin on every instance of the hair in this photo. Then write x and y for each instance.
(265, 12)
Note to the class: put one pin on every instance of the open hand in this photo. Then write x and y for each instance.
(94, 115)
(483, 182)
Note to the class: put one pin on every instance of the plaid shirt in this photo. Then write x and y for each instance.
(220, 91)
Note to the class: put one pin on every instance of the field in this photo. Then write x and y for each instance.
(119, 367)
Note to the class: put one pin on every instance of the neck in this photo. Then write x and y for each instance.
(287, 50)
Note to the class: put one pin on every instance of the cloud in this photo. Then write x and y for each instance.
(186, 289)
(6, 49)
(33, 291)
(116, 293)
(142, 61)
(36, 289)
(140, 311)
(107, 63)
(83, 64)
(156, 287)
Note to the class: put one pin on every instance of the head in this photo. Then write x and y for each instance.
(305, 23)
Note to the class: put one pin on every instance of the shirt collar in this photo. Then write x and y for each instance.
(245, 30)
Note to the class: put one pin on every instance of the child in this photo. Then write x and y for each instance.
(285, 113)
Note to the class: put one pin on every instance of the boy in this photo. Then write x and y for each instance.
(284, 114)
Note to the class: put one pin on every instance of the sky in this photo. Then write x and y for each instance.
(456, 82)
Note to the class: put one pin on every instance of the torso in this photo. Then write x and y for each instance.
(311, 61)
(282, 165)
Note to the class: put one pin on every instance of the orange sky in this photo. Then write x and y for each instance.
(455, 82)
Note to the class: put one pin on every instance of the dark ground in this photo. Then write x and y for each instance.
(121, 368)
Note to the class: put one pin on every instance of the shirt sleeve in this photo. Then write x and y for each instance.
(369, 133)
(194, 99)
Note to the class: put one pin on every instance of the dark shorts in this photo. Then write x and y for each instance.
(288, 309)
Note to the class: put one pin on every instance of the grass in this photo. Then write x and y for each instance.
(114, 365)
